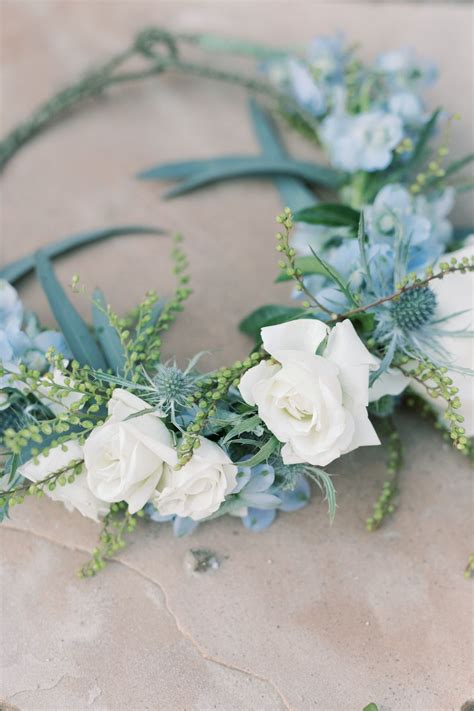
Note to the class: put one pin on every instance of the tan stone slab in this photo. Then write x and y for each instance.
(304, 615)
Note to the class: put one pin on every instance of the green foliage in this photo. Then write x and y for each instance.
(329, 214)
(15, 271)
(385, 503)
(107, 335)
(371, 707)
(116, 523)
(78, 337)
(307, 266)
(324, 482)
(263, 454)
(268, 315)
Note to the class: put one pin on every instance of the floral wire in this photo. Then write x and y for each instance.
(94, 83)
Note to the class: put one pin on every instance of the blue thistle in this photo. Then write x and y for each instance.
(414, 309)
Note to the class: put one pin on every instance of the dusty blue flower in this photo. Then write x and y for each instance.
(306, 90)
(436, 207)
(21, 338)
(405, 70)
(361, 142)
(409, 107)
(181, 526)
(328, 56)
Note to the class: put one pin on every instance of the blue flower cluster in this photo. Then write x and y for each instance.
(405, 233)
(21, 338)
(255, 500)
(365, 111)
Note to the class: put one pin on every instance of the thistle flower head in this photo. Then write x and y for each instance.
(172, 387)
(414, 309)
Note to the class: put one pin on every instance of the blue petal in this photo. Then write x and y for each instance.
(52, 339)
(260, 500)
(262, 478)
(184, 526)
(257, 520)
(153, 514)
(243, 477)
(297, 498)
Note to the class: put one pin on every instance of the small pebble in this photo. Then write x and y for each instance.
(200, 560)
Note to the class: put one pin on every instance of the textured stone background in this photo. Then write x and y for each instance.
(304, 616)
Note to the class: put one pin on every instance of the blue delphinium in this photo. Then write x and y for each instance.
(404, 70)
(364, 141)
(21, 338)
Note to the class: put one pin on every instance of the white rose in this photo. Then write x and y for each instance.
(200, 486)
(76, 495)
(454, 293)
(315, 404)
(392, 382)
(124, 458)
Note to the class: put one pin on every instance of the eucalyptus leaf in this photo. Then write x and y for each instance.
(259, 166)
(21, 267)
(182, 169)
(106, 334)
(78, 337)
(329, 214)
(268, 315)
(294, 192)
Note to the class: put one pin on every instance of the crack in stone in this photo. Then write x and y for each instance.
(184, 633)
(38, 688)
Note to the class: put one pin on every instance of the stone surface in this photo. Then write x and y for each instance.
(304, 616)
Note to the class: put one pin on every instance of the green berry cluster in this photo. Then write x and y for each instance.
(385, 503)
(116, 523)
(209, 391)
(439, 385)
(469, 569)
(60, 477)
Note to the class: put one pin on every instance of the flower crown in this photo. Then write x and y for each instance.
(93, 417)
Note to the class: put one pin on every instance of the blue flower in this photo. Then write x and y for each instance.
(181, 526)
(328, 57)
(409, 107)
(435, 207)
(261, 498)
(361, 142)
(305, 89)
(21, 339)
(405, 70)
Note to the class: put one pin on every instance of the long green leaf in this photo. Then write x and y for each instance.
(458, 164)
(309, 265)
(324, 481)
(423, 139)
(330, 214)
(246, 425)
(268, 315)
(75, 330)
(182, 169)
(106, 334)
(263, 454)
(335, 277)
(16, 270)
(260, 166)
(294, 193)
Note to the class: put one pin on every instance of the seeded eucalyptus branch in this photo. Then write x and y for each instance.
(160, 51)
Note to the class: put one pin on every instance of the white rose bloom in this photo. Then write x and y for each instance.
(454, 293)
(76, 495)
(200, 486)
(125, 459)
(315, 404)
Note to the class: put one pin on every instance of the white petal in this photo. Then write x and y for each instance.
(262, 371)
(364, 434)
(392, 382)
(302, 335)
(345, 347)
